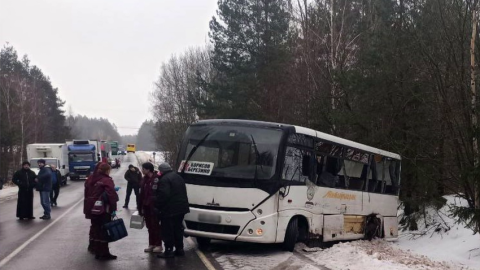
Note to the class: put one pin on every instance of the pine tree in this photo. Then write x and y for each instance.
(249, 57)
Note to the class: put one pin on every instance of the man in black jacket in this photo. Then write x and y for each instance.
(56, 183)
(44, 186)
(171, 202)
(133, 177)
(25, 180)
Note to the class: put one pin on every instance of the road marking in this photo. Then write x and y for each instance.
(20, 248)
(202, 256)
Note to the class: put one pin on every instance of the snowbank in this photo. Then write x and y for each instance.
(377, 254)
(440, 245)
(147, 156)
(446, 240)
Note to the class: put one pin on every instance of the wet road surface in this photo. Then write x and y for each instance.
(62, 243)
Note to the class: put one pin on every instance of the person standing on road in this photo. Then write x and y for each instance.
(56, 182)
(146, 208)
(87, 212)
(44, 186)
(102, 184)
(133, 177)
(25, 180)
(171, 202)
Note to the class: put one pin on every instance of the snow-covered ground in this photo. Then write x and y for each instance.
(451, 242)
(377, 254)
(8, 193)
(147, 156)
(442, 245)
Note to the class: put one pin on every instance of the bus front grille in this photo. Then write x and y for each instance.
(214, 228)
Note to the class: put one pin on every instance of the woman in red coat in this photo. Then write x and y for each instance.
(88, 215)
(101, 185)
(146, 208)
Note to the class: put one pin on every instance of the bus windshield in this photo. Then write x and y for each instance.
(232, 151)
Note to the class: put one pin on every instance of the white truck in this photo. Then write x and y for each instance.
(53, 154)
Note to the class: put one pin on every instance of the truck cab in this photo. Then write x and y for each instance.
(82, 158)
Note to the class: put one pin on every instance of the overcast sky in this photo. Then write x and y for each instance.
(104, 55)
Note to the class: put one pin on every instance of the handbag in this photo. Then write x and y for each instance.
(137, 221)
(115, 230)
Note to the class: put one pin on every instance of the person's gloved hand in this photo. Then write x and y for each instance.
(117, 188)
(114, 213)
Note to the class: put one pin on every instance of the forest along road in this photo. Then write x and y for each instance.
(61, 243)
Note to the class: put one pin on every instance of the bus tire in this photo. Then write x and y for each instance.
(203, 242)
(291, 235)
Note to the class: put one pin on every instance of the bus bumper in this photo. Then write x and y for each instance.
(231, 226)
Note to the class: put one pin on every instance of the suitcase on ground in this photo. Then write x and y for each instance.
(115, 230)
(137, 221)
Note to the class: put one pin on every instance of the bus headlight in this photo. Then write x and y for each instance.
(250, 231)
(259, 231)
(259, 211)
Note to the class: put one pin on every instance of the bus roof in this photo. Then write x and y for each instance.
(305, 131)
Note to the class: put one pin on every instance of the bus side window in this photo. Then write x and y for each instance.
(390, 174)
(328, 177)
(298, 165)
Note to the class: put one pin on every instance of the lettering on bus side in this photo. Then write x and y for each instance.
(340, 195)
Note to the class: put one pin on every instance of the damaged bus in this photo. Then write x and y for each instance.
(265, 182)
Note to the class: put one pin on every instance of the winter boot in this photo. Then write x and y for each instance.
(149, 248)
(168, 253)
(157, 249)
(179, 252)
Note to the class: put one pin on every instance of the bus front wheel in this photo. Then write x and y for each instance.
(291, 235)
(203, 242)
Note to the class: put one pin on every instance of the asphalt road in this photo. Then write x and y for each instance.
(61, 243)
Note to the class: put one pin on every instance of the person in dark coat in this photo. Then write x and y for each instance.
(25, 180)
(56, 182)
(146, 208)
(133, 177)
(88, 213)
(171, 202)
(44, 186)
(102, 185)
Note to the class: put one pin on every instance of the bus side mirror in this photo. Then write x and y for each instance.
(306, 165)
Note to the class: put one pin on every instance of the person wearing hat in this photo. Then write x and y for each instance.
(171, 203)
(25, 180)
(133, 177)
(44, 186)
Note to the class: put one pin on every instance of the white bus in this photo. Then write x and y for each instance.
(265, 182)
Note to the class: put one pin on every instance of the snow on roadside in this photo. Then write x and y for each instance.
(452, 242)
(147, 156)
(377, 254)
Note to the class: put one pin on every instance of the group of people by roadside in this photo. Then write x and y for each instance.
(162, 201)
(47, 183)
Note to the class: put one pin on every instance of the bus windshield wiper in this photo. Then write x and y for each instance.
(193, 151)
(257, 157)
